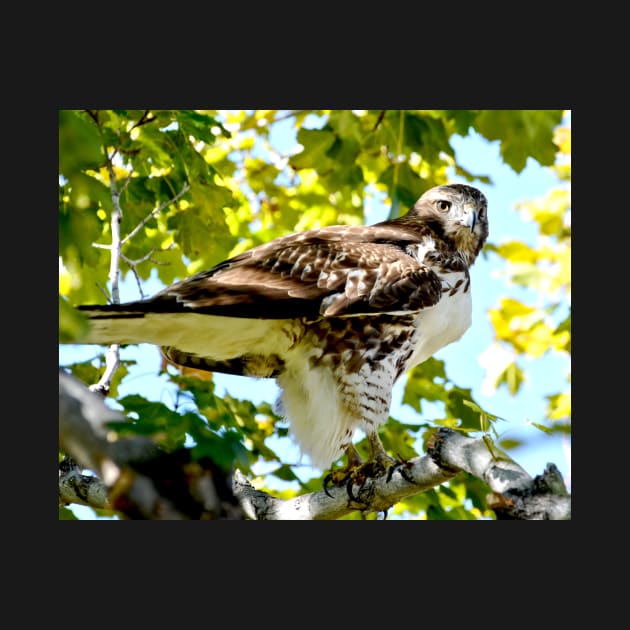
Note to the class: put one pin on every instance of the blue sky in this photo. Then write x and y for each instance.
(544, 376)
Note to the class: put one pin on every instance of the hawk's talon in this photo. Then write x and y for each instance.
(401, 467)
(357, 474)
(339, 477)
(326, 483)
(390, 472)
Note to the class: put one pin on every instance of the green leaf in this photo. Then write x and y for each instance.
(345, 177)
(199, 125)
(542, 427)
(80, 144)
(421, 384)
(316, 143)
(344, 151)
(522, 134)
(285, 473)
(225, 450)
(507, 444)
(66, 515)
(154, 419)
(403, 183)
(475, 407)
(87, 193)
(457, 407)
(512, 377)
(462, 120)
(398, 440)
(427, 136)
(201, 231)
(347, 125)
(436, 512)
(72, 323)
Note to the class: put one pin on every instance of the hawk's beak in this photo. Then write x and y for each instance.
(470, 217)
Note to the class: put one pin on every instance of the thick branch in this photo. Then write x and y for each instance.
(516, 495)
(141, 481)
(75, 487)
(376, 495)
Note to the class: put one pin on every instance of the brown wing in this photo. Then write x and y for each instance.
(331, 272)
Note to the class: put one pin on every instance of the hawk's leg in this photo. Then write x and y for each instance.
(341, 476)
(357, 472)
(382, 462)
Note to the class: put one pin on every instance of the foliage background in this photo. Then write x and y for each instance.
(197, 186)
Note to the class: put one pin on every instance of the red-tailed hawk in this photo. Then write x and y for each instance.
(336, 315)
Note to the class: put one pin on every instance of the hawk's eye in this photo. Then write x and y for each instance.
(443, 205)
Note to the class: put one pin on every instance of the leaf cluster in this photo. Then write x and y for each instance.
(533, 326)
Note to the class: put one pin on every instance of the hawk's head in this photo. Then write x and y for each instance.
(455, 212)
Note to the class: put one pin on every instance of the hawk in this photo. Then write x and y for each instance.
(336, 315)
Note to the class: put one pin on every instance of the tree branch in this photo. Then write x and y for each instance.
(75, 487)
(515, 494)
(376, 495)
(143, 482)
(140, 480)
(112, 361)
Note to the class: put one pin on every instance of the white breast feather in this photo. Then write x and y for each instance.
(443, 323)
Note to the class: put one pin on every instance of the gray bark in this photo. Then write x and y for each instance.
(515, 494)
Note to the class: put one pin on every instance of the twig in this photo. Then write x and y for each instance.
(155, 212)
(103, 290)
(144, 119)
(137, 261)
(116, 246)
(379, 119)
(134, 263)
(112, 363)
(113, 353)
(125, 183)
(290, 114)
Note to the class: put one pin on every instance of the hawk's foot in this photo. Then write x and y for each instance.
(346, 475)
(353, 476)
(357, 472)
(389, 464)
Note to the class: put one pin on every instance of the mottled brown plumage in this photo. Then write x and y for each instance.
(336, 315)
